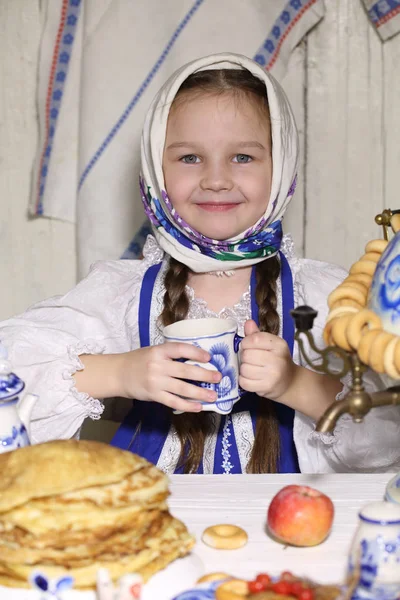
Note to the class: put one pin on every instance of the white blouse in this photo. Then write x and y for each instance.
(100, 315)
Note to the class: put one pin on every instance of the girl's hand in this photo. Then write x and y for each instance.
(154, 374)
(266, 366)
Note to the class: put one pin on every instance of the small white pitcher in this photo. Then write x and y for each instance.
(15, 412)
(375, 553)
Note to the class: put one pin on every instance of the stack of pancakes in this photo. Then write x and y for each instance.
(71, 507)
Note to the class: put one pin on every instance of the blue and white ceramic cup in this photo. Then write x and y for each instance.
(219, 338)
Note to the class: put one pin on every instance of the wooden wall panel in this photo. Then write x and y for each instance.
(345, 150)
(37, 256)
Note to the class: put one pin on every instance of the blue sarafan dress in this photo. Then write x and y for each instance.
(147, 430)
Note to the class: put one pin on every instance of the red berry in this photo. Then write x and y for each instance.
(255, 586)
(286, 575)
(297, 587)
(306, 594)
(282, 587)
(264, 579)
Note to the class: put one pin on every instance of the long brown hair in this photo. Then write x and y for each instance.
(192, 429)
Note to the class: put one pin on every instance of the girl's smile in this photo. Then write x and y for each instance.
(217, 163)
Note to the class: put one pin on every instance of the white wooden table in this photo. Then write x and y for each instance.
(203, 500)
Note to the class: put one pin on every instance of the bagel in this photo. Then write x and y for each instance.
(345, 292)
(397, 355)
(376, 246)
(327, 333)
(395, 222)
(372, 256)
(225, 537)
(340, 311)
(360, 278)
(365, 345)
(217, 576)
(338, 332)
(363, 266)
(232, 590)
(357, 285)
(388, 359)
(365, 318)
(348, 302)
(376, 355)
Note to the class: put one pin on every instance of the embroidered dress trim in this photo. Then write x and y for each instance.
(244, 435)
(226, 455)
(168, 459)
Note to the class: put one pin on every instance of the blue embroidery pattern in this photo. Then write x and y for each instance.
(57, 90)
(226, 456)
(382, 9)
(268, 52)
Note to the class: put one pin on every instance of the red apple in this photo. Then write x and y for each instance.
(300, 516)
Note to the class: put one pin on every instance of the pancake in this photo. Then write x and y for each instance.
(72, 507)
(61, 466)
(173, 542)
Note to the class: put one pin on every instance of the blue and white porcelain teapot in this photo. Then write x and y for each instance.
(15, 411)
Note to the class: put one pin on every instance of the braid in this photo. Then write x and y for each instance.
(265, 453)
(193, 428)
(190, 428)
(176, 301)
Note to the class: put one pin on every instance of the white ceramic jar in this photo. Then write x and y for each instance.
(375, 553)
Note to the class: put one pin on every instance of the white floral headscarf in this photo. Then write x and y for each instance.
(174, 235)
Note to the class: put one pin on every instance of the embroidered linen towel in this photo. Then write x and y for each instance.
(385, 15)
(101, 63)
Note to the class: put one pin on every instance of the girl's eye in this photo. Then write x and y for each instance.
(190, 159)
(243, 158)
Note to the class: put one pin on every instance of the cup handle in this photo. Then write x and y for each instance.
(236, 342)
(236, 346)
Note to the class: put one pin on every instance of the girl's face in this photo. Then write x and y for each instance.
(217, 163)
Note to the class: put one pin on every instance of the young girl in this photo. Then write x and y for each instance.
(219, 158)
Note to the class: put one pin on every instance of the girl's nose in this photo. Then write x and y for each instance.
(216, 178)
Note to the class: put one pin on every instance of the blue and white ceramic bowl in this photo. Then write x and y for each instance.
(202, 591)
(384, 295)
(393, 490)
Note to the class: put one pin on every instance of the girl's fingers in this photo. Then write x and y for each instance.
(179, 403)
(252, 372)
(189, 391)
(176, 350)
(250, 385)
(259, 358)
(184, 371)
(264, 341)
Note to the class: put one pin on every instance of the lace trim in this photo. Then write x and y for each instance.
(244, 435)
(240, 312)
(226, 455)
(169, 456)
(152, 252)
(93, 406)
(287, 247)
